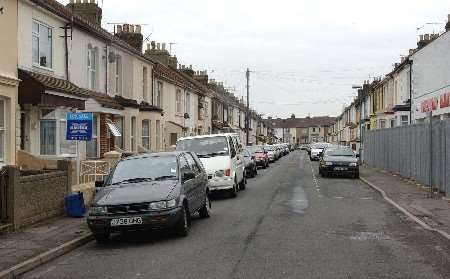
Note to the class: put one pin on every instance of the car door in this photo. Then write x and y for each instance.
(233, 159)
(239, 158)
(198, 181)
(188, 185)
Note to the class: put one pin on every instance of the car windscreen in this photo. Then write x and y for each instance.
(319, 146)
(144, 169)
(205, 147)
(339, 152)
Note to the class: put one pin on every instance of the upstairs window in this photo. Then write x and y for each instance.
(188, 104)
(159, 93)
(144, 83)
(92, 67)
(118, 76)
(178, 101)
(42, 44)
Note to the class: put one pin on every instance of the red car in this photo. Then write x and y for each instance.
(260, 153)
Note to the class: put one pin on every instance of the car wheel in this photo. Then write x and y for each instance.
(265, 165)
(243, 181)
(253, 172)
(233, 191)
(182, 228)
(101, 237)
(205, 211)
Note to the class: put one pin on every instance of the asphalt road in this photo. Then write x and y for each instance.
(289, 223)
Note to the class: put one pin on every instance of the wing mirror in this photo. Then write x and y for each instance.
(188, 176)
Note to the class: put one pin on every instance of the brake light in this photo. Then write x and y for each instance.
(228, 172)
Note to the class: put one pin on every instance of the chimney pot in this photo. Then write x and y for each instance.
(426, 37)
(137, 28)
(86, 1)
(190, 67)
(131, 28)
(119, 28)
(148, 46)
(78, 1)
(153, 43)
(92, 1)
(158, 46)
(163, 46)
(126, 28)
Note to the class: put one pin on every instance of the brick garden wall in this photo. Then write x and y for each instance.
(40, 196)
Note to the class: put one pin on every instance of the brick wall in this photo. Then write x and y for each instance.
(105, 145)
(40, 196)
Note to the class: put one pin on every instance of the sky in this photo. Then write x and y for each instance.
(304, 55)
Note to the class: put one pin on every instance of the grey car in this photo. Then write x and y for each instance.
(150, 191)
(339, 161)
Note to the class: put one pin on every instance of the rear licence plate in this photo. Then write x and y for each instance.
(126, 221)
(340, 169)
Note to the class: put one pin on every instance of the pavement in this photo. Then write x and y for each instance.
(415, 198)
(25, 249)
(288, 223)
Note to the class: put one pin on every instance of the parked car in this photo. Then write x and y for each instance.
(303, 147)
(339, 160)
(271, 153)
(316, 150)
(251, 169)
(150, 191)
(261, 155)
(221, 155)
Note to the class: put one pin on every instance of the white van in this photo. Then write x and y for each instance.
(221, 155)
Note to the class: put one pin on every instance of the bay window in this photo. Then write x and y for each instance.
(52, 128)
(41, 44)
(92, 145)
(146, 133)
(133, 133)
(119, 140)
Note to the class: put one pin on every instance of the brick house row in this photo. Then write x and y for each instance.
(58, 59)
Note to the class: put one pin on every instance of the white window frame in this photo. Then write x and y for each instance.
(146, 138)
(178, 101)
(144, 82)
(118, 76)
(95, 136)
(60, 124)
(159, 94)
(92, 53)
(38, 35)
(3, 130)
(187, 103)
(133, 133)
(406, 122)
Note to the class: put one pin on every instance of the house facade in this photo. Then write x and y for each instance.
(9, 132)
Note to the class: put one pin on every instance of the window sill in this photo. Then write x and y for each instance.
(37, 66)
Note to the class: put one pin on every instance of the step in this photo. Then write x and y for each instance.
(5, 228)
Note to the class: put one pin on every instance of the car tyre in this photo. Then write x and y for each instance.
(101, 237)
(205, 211)
(243, 181)
(233, 191)
(253, 172)
(182, 227)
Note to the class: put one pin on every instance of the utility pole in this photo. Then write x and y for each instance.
(247, 121)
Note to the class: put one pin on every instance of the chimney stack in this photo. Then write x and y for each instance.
(131, 34)
(88, 9)
(424, 40)
(202, 77)
(159, 53)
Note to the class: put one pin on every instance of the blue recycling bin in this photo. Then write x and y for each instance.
(74, 204)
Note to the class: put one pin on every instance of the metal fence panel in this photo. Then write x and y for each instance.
(407, 150)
